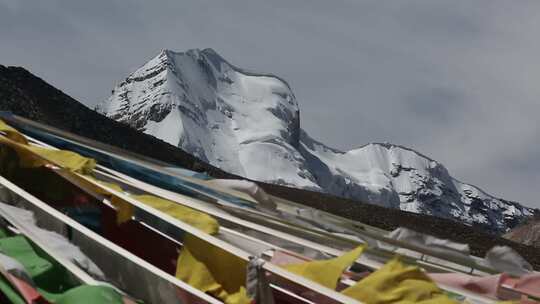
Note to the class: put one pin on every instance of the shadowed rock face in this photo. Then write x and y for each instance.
(248, 124)
(527, 233)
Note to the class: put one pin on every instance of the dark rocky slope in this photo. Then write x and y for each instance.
(527, 233)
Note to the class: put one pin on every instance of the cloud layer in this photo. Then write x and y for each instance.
(456, 80)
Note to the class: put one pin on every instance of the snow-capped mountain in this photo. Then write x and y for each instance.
(249, 124)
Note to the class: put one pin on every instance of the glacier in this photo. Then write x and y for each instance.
(248, 124)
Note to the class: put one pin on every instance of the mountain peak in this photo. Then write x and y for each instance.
(248, 124)
(208, 54)
(220, 105)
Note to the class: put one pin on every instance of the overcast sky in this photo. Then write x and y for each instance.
(456, 80)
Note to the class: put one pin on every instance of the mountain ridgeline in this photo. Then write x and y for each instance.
(248, 124)
(24, 94)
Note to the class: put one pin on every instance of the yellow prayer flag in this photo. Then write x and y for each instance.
(397, 283)
(212, 270)
(34, 156)
(12, 134)
(197, 219)
(326, 272)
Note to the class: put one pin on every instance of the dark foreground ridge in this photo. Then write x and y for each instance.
(29, 96)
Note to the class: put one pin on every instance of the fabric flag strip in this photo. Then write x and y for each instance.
(213, 270)
(33, 156)
(60, 245)
(326, 272)
(40, 279)
(218, 272)
(199, 220)
(500, 286)
(15, 274)
(158, 178)
(397, 283)
(75, 162)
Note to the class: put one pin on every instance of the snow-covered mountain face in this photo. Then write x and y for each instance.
(249, 124)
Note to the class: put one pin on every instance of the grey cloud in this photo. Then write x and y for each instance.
(435, 105)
